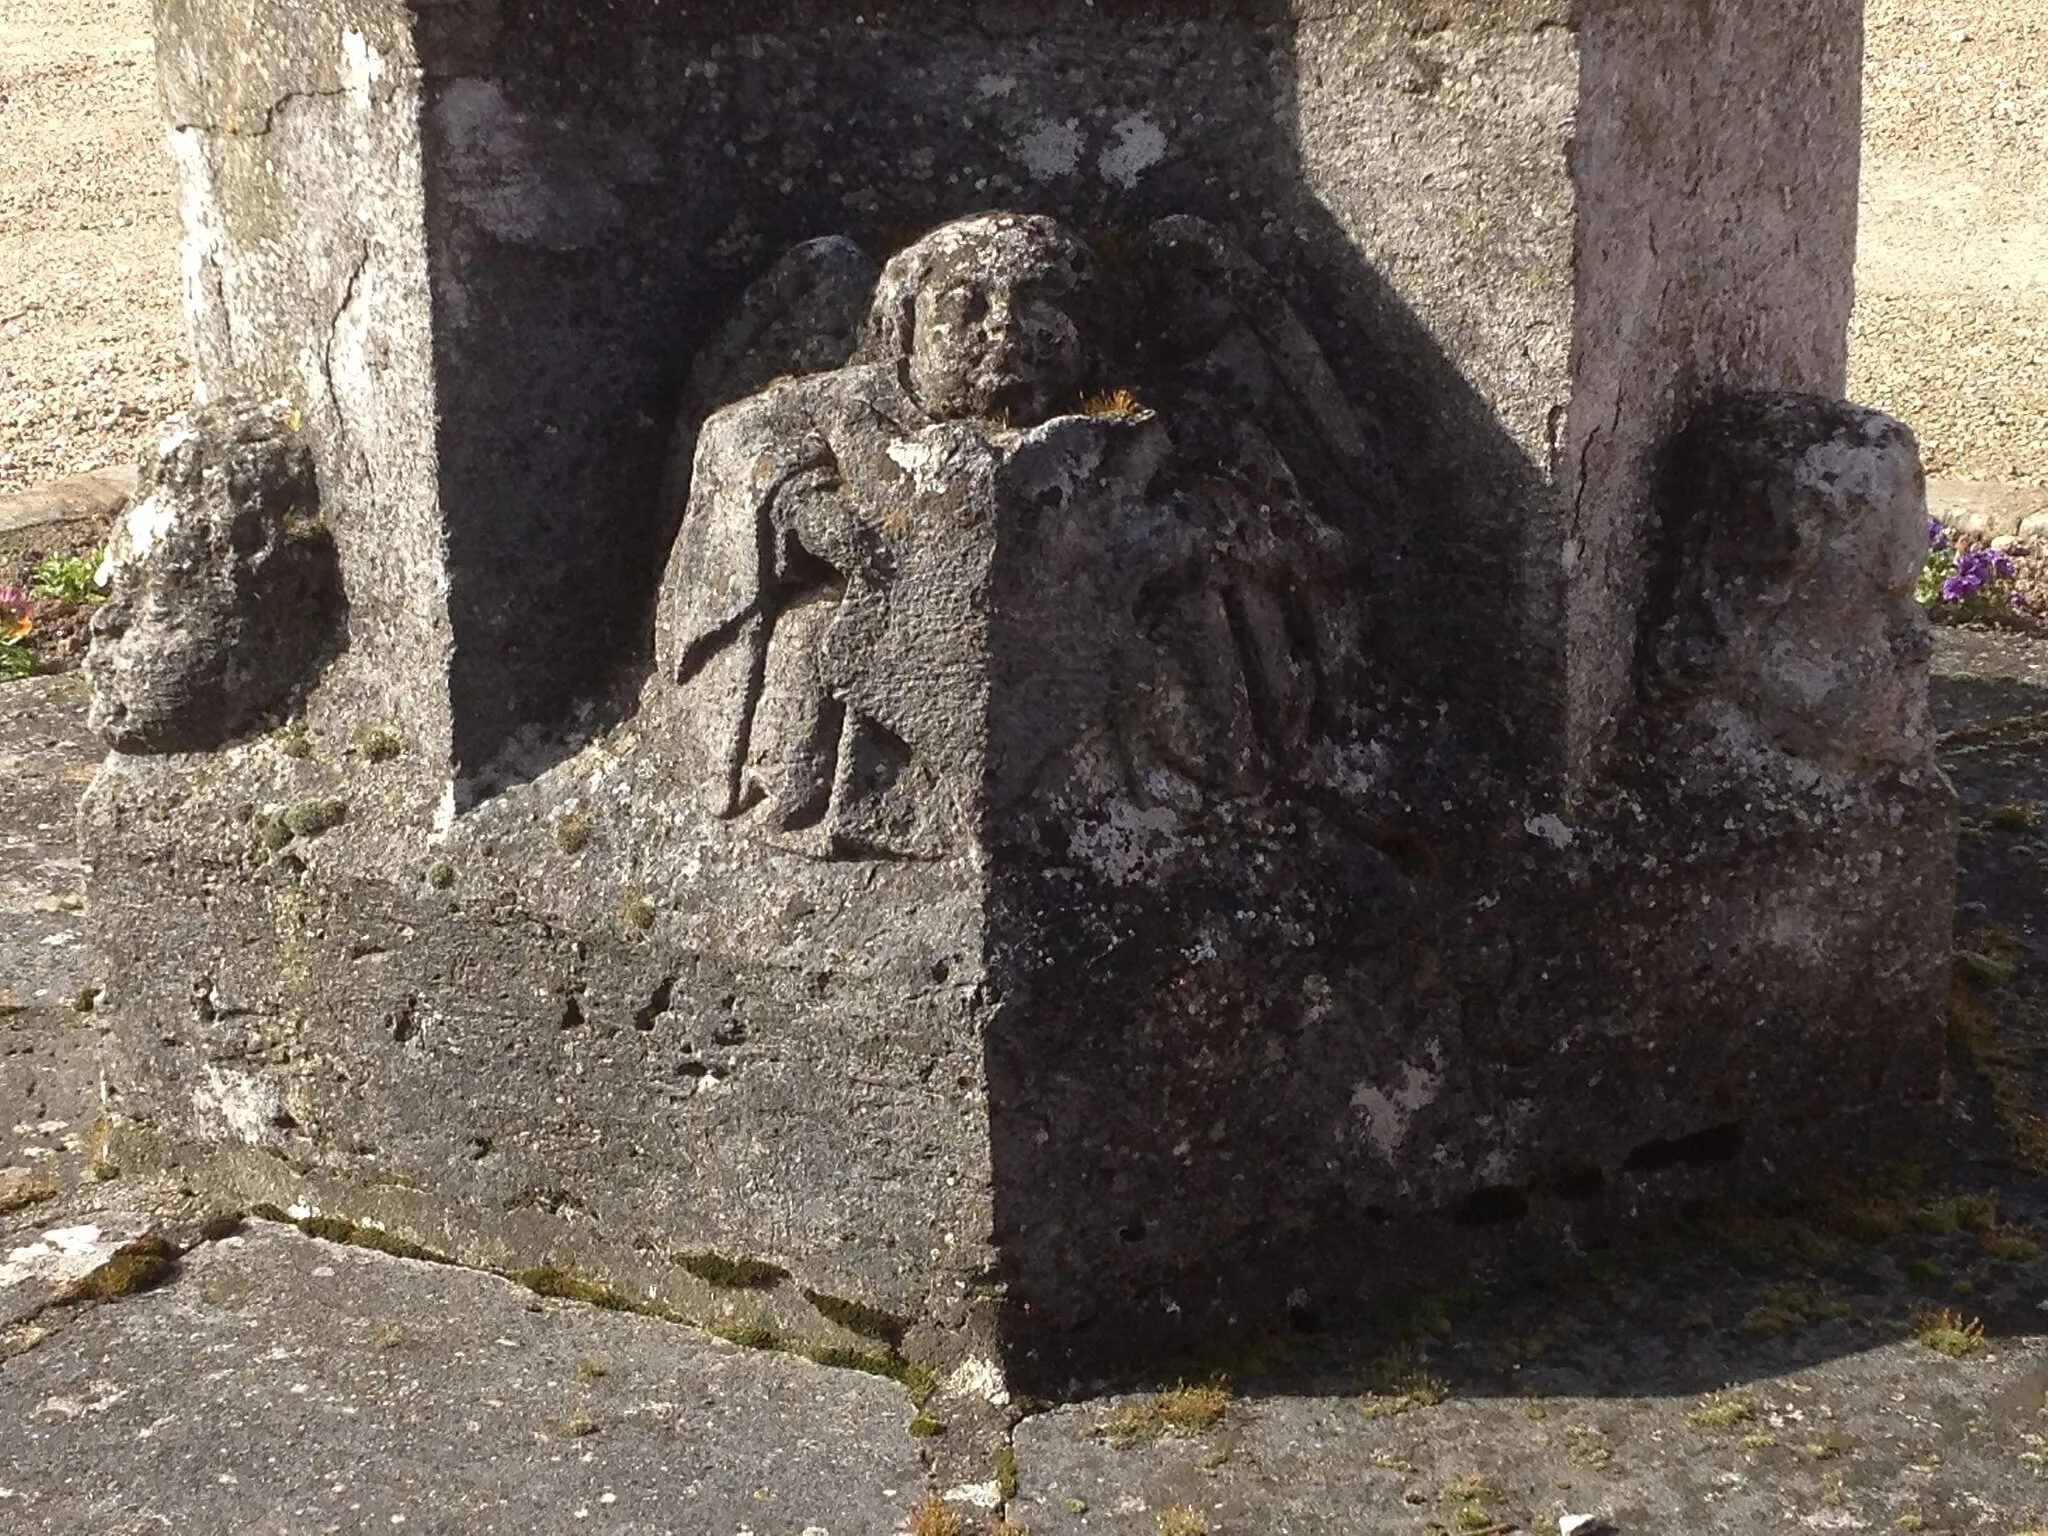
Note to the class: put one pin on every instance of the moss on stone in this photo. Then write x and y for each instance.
(1722, 1413)
(310, 818)
(2011, 1245)
(845, 1358)
(28, 1192)
(857, 1317)
(139, 1266)
(334, 1229)
(733, 1274)
(379, 745)
(573, 831)
(546, 1280)
(1184, 1410)
(636, 911)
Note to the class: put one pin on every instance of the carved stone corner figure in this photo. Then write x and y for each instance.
(225, 595)
(1795, 530)
(947, 552)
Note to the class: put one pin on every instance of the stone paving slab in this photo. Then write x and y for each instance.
(93, 497)
(1989, 508)
(49, 1052)
(281, 1384)
(47, 757)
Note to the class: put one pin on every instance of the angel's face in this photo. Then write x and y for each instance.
(991, 343)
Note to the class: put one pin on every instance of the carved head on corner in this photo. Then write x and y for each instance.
(983, 312)
(226, 593)
(1795, 527)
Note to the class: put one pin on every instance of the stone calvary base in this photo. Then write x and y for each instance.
(1021, 684)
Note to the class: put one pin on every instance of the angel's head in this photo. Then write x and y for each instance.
(983, 312)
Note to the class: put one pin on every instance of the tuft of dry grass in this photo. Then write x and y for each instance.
(1398, 1383)
(1191, 1409)
(1117, 403)
(1948, 1332)
(933, 1518)
(1725, 1413)
(1184, 1410)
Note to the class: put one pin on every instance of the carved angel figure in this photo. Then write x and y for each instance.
(943, 577)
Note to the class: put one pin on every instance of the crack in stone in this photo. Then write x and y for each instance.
(230, 128)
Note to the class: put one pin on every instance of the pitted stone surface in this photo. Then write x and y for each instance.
(1859, 1433)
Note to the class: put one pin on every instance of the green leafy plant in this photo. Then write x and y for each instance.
(68, 581)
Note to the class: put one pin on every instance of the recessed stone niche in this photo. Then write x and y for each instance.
(1548, 825)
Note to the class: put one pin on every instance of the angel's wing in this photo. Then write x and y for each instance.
(1220, 325)
(800, 316)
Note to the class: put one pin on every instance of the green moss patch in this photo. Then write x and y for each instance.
(140, 1266)
(733, 1274)
(857, 1317)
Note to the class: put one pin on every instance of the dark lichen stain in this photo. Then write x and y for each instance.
(537, 1198)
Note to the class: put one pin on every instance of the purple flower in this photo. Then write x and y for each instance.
(1937, 536)
(1974, 571)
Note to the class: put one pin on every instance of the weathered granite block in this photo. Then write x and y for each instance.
(1079, 776)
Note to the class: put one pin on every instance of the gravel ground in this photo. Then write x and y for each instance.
(1952, 333)
(1952, 325)
(92, 338)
